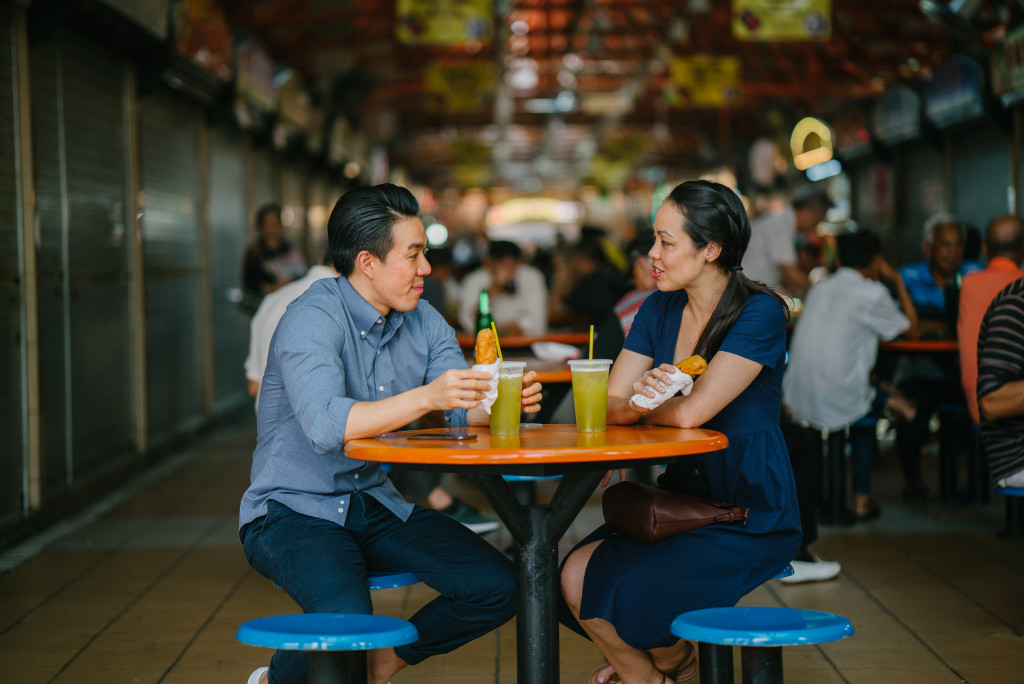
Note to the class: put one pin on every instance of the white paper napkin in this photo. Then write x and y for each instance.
(680, 381)
(492, 392)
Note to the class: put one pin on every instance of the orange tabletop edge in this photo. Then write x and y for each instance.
(558, 443)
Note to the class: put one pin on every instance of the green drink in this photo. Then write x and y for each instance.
(507, 407)
(590, 393)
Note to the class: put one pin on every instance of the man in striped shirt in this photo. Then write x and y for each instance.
(1001, 385)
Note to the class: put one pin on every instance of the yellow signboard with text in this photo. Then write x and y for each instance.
(443, 22)
(461, 86)
(705, 81)
(776, 20)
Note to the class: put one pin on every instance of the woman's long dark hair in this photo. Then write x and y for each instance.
(714, 213)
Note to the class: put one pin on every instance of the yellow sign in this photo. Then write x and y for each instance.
(768, 20)
(443, 22)
(461, 86)
(705, 81)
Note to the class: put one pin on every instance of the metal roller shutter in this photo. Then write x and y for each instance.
(920, 187)
(228, 238)
(266, 186)
(12, 460)
(981, 174)
(293, 206)
(169, 142)
(91, 90)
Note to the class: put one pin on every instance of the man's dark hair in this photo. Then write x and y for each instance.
(1005, 248)
(263, 211)
(815, 200)
(501, 249)
(858, 250)
(640, 245)
(362, 219)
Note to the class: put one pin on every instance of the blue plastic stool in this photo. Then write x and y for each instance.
(337, 642)
(760, 632)
(787, 571)
(1014, 516)
(522, 486)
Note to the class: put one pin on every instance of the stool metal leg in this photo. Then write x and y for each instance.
(761, 665)
(337, 667)
(715, 663)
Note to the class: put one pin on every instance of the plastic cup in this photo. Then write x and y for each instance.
(590, 393)
(507, 407)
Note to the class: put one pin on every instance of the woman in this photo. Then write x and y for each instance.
(623, 594)
(270, 262)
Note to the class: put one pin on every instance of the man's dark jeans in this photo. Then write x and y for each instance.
(323, 567)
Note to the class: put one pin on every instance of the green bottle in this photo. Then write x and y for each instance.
(483, 312)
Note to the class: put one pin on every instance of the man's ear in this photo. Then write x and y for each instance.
(367, 264)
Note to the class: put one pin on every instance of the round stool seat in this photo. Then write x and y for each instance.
(528, 478)
(1010, 491)
(327, 632)
(390, 580)
(787, 571)
(761, 626)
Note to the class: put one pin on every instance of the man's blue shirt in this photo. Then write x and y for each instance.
(929, 299)
(331, 350)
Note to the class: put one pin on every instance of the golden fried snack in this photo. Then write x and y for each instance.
(486, 350)
(692, 366)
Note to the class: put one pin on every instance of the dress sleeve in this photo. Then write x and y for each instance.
(759, 333)
(641, 333)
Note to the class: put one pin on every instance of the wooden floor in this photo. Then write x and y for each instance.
(150, 585)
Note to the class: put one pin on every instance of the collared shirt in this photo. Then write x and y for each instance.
(263, 324)
(976, 293)
(772, 245)
(834, 348)
(929, 299)
(1001, 360)
(331, 350)
(527, 306)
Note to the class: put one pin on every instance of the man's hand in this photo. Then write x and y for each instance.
(531, 393)
(457, 389)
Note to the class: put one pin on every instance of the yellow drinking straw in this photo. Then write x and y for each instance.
(590, 355)
(497, 345)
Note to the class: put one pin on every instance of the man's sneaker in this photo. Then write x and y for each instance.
(811, 571)
(470, 517)
(257, 675)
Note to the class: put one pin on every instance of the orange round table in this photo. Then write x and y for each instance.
(538, 450)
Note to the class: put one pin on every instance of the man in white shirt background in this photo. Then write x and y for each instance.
(518, 295)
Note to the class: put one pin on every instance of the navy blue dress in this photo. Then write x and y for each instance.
(640, 588)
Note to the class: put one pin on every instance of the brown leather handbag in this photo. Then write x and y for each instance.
(649, 514)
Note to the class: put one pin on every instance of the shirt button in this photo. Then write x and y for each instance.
(362, 333)
(341, 510)
(381, 388)
(696, 472)
(380, 320)
(356, 476)
(378, 352)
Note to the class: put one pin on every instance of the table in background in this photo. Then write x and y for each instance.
(581, 460)
(934, 346)
(576, 339)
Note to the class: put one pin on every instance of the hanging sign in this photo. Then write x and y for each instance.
(460, 86)
(705, 81)
(1008, 66)
(443, 22)
(897, 115)
(954, 92)
(776, 20)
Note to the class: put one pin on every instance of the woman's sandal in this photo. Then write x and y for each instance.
(613, 676)
(686, 669)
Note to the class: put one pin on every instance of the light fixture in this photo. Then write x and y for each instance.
(437, 234)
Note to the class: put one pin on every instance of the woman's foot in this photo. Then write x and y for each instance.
(685, 666)
(603, 674)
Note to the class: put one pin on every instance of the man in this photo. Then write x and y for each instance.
(415, 485)
(271, 261)
(771, 256)
(827, 384)
(1001, 385)
(355, 357)
(1004, 248)
(926, 381)
(517, 292)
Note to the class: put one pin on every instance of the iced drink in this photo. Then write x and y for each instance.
(590, 393)
(507, 407)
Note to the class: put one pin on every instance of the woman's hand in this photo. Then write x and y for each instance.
(531, 393)
(458, 389)
(653, 382)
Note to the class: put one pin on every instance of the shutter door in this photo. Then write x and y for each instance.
(12, 459)
(919, 188)
(228, 238)
(266, 185)
(293, 207)
(321, 201)
(981, 174)
(169, 151)
(52, 312)
(101, 411)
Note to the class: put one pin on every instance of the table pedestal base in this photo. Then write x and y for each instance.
(537, 529)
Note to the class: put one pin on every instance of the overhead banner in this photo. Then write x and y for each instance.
(460, 86)
(705, 81)
(1008, 66)
(776, 20)
(443, 22)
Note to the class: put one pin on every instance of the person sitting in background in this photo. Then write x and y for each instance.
(586, 287)
(271, 261)
(771, 257)
(440, 289)
(828, 380)
(928, 382)
(640, 278)
(1004, 248)
(517, 292)
(1001, 385)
